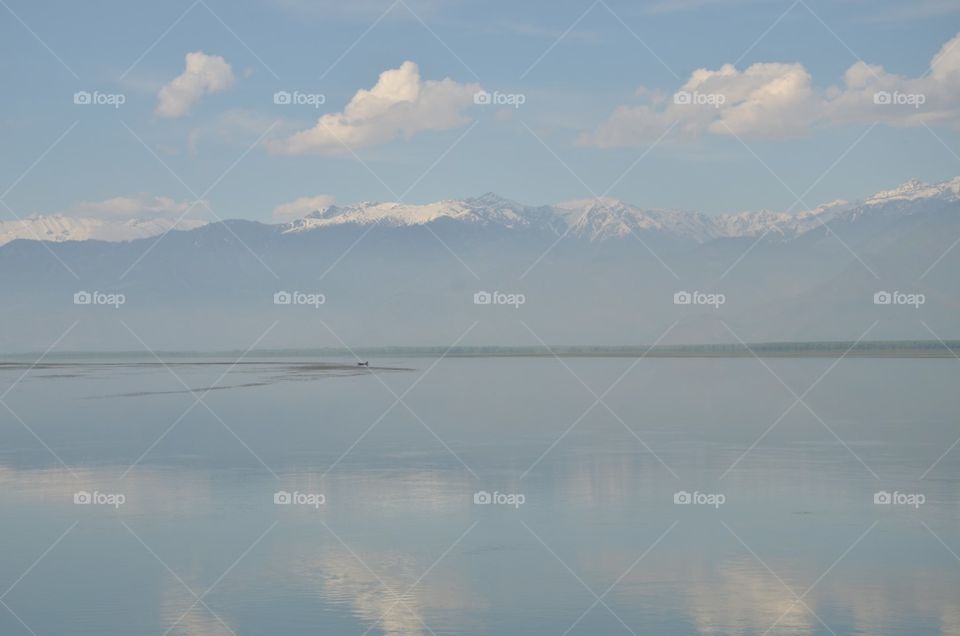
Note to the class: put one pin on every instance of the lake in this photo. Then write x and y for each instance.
(478, 495)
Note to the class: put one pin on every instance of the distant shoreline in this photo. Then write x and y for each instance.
(745, 354)
(850, 349)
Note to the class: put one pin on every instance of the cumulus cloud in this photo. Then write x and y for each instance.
(204, 74)
(400, 104)
(775, 101)
(299, 208)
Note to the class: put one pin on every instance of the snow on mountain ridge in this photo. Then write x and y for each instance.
(915, 189)
(605, 218)
(590, 219)
(610, 218)
(488, 209)
(59, 228)
(783, 224)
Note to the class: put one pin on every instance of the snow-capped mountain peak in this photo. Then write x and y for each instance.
(915, 189)
(608, 218)
(589, 219)
(486, 210)
(58, 228)
(604, 218)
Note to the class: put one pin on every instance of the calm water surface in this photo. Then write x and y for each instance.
(788, 539)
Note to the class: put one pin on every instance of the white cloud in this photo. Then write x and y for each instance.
(769, 100)
(939, 88)
(775, 101)
(132, 207)
(117, 219)
(400, 104)
(204, 74)
(299, 208)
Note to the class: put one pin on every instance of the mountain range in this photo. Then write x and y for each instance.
(592, 219)
(590, 272)
(599, 219)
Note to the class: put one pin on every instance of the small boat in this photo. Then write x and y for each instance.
(363, 364)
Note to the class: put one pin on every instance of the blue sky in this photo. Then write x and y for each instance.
(598, 83)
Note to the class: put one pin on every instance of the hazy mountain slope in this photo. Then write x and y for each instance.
(392, 278)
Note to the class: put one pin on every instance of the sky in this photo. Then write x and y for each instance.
(264, 109)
